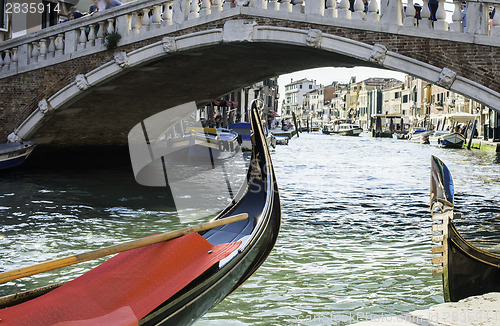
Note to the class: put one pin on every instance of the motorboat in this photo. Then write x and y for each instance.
(14, 154)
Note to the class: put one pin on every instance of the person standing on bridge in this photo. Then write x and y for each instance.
(98, 5)
(433, 6)
(112, 3)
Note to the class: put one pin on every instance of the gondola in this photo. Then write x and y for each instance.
(234, 252)
(466, 270)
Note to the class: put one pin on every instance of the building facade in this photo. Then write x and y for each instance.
(294, 96)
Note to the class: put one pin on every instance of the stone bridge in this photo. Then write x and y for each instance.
(61, 86)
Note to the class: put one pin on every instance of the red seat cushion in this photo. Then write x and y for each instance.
(123, 289)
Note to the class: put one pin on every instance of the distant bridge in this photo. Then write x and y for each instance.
(61, 86)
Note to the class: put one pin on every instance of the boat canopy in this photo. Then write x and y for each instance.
(461, 117)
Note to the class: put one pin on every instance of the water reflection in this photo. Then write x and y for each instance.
(356, 234)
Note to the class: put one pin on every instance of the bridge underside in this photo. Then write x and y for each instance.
(105, 115)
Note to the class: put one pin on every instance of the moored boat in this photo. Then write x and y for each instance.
(400, 135)
(196, 142)
(342, 128)
(447, 139)
(14, 154)
(420, 136)
(172, 283)
(450, 129)
(282, 140)
(315, 125)
(244, 130)
(466, 270)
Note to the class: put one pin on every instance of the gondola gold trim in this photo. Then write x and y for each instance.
(487, 253)
(473, 257)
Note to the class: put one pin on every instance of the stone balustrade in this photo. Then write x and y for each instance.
(144, 19)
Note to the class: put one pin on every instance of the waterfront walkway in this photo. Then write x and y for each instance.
(474, 311)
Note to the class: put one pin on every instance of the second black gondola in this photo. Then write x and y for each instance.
(466, 269)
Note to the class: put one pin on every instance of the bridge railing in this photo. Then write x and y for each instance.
(139, 20)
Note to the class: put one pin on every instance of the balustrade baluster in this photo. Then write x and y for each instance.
(457, 25)
(373, 15)
(441, 24)
(495, 30)
(6, 61)
(156, 18)
(205, 8)
(359, 10)
(297, 7)
(410, 20)
(217, 5)
(111, 26)
(52, 47)
(331, 10)
(1, 60)
(136, 25)
(100, 33)
(167, 13)
(425, 15)
(286, 6)
(145, 21)
(91, 37)
(274, 5)
(82, 40)
(344, 11)
(14, 59)
(60, 44)
(43, 49)
(195, 10)
(34, 51)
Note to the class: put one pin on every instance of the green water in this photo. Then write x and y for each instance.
(355, 237)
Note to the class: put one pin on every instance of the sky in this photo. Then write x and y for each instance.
(326, 76)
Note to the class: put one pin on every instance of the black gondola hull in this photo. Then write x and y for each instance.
(261, 202)
(471, 271)
(466, 270)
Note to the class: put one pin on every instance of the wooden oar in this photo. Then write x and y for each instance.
(103, 252)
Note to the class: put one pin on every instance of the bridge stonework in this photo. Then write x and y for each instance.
(218, 67)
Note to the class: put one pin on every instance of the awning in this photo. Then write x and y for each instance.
(220, 103)
(232, 104)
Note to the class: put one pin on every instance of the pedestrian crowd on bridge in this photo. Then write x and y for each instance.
(97, 5)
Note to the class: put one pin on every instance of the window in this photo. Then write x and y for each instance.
(3, 15)
(405, 98)
(310, 86)
(397, 95)
(300, 87)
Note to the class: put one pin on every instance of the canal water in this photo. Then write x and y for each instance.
(355, 237)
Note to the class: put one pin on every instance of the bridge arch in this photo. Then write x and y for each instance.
(236, 48)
